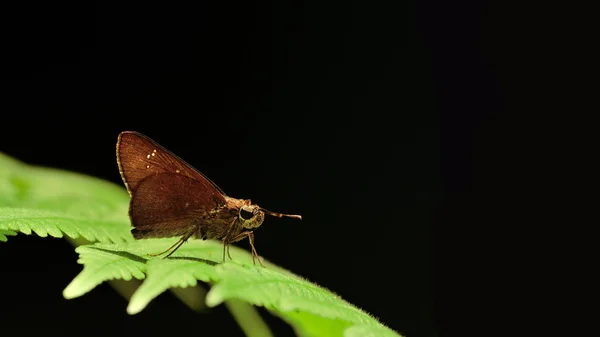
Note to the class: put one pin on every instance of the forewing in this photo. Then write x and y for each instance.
(140, 157)
(167, 204)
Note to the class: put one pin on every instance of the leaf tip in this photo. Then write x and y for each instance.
(71, 292)
(135, 307)
(214, 296)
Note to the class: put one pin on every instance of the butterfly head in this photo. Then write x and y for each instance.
(251, 216)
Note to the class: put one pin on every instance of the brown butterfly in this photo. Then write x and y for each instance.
(170, 198)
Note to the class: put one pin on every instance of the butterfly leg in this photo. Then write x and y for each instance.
(226, 248)
(250, 236)
(177, 244)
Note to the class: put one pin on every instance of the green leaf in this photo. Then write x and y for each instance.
(164, 274)
(369, 331)
(4, 233)
(52, 202)
(311, 309)
(102, 265)
(44, 223)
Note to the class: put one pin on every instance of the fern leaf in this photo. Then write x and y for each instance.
(164, 274)
(311, 309)
(102, 265)
(51, 202)
(47, 223)
(4, 233)
(369, 331)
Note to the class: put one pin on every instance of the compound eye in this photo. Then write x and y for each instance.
(246, 215)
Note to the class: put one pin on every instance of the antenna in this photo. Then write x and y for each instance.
(281, 215)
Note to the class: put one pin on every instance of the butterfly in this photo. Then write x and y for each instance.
(169, 198)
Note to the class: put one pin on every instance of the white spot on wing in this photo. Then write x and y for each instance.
(177, 171)
(147, 166)
(148, 156)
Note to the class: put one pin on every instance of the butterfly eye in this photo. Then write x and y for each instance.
(246, 215)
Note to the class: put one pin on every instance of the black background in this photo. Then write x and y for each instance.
(393, 128)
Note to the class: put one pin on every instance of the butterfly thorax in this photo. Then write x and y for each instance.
(221, 221)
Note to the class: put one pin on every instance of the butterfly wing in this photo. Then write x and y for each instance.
(168, 196)
(167, 204)
(139, 157)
